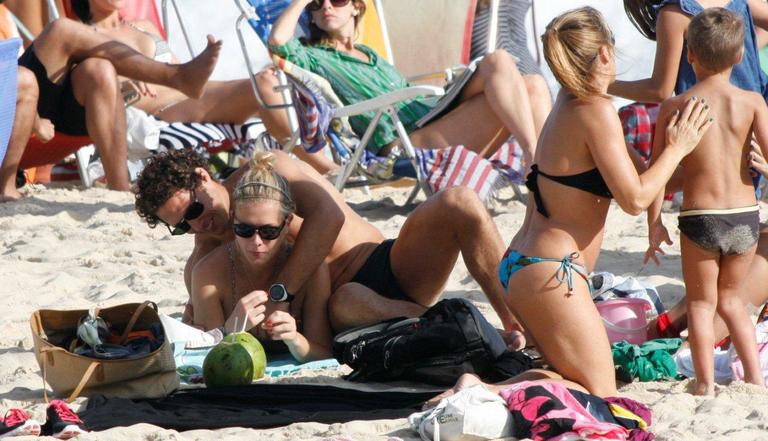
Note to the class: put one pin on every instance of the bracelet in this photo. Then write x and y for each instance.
(223, 329)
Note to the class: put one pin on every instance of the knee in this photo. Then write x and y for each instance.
(26, 84)
(61, 27)
(462, 203)
(500, 61)
(536, 86)
(729, 306)
(96, 74)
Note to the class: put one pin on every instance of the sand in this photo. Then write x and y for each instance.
(74, 248)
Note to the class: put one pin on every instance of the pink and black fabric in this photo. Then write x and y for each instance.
(549, 411)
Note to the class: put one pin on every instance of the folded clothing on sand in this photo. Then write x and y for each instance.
(257, 406)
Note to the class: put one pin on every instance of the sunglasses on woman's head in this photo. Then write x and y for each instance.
(317, 4)
(194, 211)
(266, 232)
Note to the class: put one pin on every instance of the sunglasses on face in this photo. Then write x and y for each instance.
(266, 232)
(317, 4)
(194, 211)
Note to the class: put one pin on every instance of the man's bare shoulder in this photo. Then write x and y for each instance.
(205, 244)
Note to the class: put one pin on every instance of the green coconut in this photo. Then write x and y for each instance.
(238, 359)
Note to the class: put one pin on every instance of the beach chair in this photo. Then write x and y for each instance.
(9, 50)
(256, 13)
(205, 137)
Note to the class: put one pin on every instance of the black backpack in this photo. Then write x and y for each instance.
(449, 339)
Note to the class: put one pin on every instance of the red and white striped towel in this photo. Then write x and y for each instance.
(458, 166)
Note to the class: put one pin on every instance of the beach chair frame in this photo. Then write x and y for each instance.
(384, 104)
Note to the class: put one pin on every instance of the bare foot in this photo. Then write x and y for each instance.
(465, 381)
(43, 129)
(704, 389)
(10, 196)
(193, 75)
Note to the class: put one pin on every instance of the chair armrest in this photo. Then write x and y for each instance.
(388, 99)
(446, 74)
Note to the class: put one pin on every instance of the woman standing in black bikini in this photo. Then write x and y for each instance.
(233, 287)
(581, 163)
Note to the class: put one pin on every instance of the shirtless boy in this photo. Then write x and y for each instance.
(719, 218)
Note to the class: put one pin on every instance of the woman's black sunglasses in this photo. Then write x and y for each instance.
(266, 232)
(194, 211)
(317, 4)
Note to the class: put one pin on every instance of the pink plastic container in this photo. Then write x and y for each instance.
(624, 319)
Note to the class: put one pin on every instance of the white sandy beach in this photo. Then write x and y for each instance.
(72, 248)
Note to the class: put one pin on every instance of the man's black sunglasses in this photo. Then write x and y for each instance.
(194, 211)
(266, 232)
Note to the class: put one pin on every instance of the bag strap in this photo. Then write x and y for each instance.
(80, 385)
(134, 319)
(83, 381)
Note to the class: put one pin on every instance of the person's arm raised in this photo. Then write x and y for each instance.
(285, 26)
(633, 192)
(670, 29)
(323, 219)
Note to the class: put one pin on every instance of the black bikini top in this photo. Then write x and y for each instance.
(590, 181)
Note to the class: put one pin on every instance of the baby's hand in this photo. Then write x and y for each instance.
(657, 234)
(280, 326)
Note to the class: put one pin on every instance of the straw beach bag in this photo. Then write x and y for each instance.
(147, 376)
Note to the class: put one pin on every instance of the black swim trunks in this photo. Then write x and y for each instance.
(728, 232)
(376, 273)
(56, 102)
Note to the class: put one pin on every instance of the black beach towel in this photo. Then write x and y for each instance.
(257, 406)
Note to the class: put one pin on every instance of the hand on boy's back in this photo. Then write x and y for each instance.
(686, 127)
(757, 162)
(656, 235)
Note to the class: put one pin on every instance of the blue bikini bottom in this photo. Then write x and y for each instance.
(513, 261)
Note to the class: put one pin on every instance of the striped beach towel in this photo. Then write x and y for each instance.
(458, 166)
(211, 138)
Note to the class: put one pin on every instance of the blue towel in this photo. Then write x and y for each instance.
(189, 364)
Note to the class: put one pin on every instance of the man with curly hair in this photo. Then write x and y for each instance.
(372, 279)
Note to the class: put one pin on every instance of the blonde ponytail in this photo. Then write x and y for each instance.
(262, 182)
(572, 43)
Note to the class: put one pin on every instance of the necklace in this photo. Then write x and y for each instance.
(247, 273)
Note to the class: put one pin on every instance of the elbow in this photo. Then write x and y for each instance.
(633, 207)
(335, 219)
(661, 93)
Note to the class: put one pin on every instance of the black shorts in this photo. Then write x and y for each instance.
(376, 273)
(726, 232)
(56, 102)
